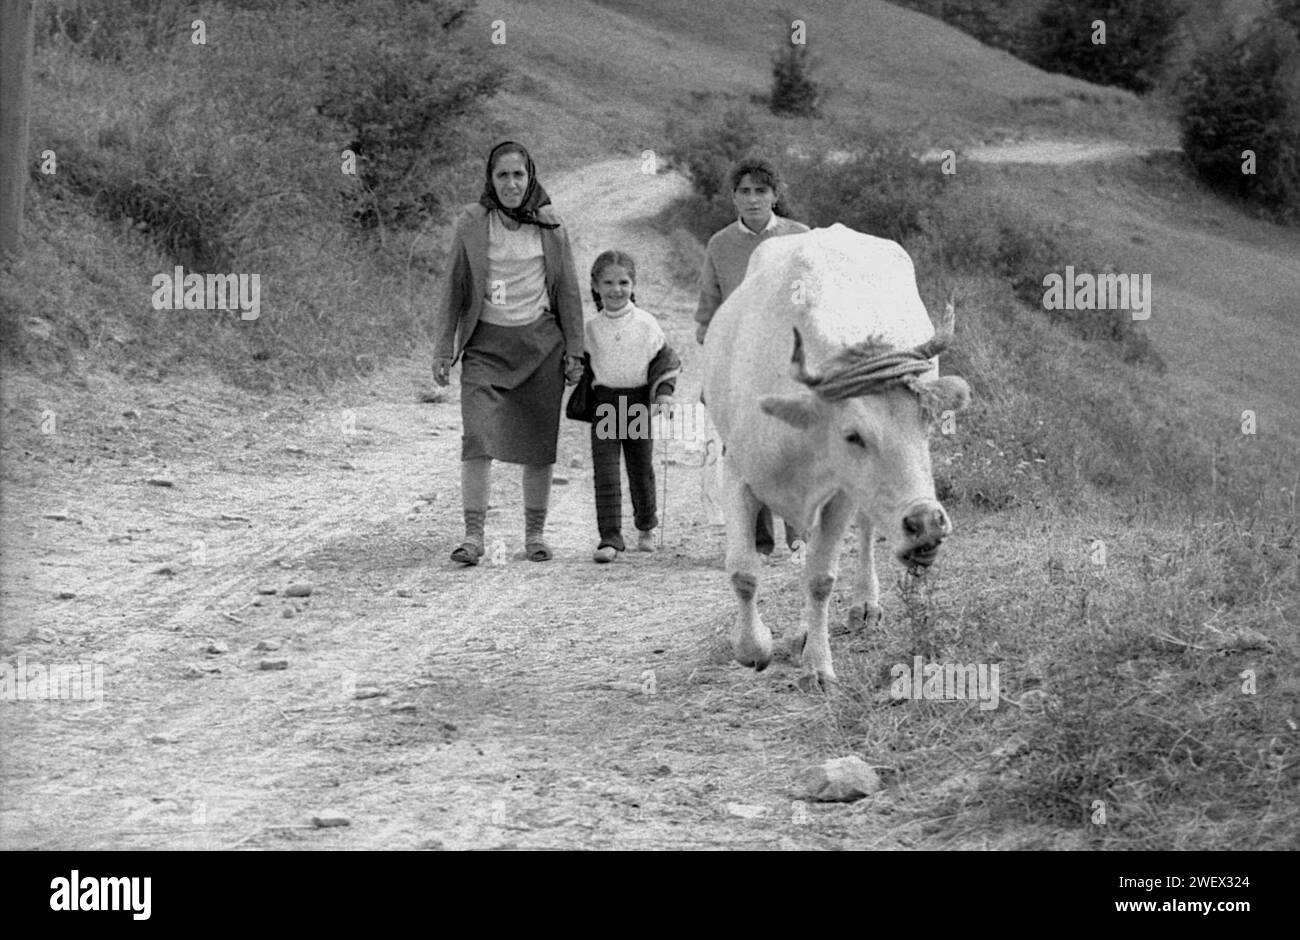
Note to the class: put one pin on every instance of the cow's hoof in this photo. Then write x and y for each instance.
(816, 681)
(755, 655)
(864, 615)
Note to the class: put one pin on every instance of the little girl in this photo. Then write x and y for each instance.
(632, 367)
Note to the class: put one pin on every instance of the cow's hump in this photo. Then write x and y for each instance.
(840, 287)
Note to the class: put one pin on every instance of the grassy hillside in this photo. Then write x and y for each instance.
(1224, 283)
(609, 69)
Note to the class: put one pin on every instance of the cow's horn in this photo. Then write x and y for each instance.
(798, 371)
(940, 340)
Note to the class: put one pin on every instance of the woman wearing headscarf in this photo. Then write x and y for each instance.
(511, 313)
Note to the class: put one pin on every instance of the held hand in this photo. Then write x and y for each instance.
(442, 371)
(572, 370)
(699, 333)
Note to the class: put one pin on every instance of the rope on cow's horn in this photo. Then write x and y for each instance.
(869, 366)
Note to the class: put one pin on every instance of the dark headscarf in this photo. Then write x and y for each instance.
(534, 196)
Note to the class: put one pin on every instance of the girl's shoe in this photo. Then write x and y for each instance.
(645, 541)
(605, 554)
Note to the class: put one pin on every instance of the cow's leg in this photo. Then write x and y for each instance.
(751, 640)
(866, 589)
(821, 566)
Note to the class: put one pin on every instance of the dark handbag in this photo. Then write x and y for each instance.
(582, 400)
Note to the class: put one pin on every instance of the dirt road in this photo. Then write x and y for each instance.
(526, 705)
(1051, 152)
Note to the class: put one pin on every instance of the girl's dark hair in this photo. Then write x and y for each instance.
(763, 172)
(604, 260)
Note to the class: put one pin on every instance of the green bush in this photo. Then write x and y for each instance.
(1139, 36)
(874, 185)
(1244, 94)
(794, 91)
(178, 187)
(402, 99)
(705, 145)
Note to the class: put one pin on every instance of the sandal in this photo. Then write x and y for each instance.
(537, 550)
(468, 553)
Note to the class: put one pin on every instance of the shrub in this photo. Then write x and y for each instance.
(793, 89)
(179, 188)
(1244, 94)
(401, 101)
(705, 146)
(875, 185)
(1139, 36)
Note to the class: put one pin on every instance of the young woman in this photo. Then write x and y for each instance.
(756, 194)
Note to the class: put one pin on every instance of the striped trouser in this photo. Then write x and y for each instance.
(620, 433)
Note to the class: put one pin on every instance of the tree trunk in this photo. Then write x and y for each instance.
(15, 98)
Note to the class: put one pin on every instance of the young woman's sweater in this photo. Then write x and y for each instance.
(726, 259)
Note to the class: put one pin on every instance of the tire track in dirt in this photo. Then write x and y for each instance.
(562, 705)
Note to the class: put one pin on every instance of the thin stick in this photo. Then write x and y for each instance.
(663, 515)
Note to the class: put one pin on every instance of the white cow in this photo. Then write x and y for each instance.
(819, 376)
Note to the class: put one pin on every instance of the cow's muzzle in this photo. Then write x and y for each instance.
(925, 526)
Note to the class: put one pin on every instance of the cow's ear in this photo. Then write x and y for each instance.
(953, 392)
(798, 410)
(946, 393)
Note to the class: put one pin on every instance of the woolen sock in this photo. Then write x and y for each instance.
(537, 499)
(534, 525)
(475, 485)
(474, 525)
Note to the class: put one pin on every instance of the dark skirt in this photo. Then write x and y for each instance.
(512, 380)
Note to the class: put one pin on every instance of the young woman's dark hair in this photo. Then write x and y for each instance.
(763, 172)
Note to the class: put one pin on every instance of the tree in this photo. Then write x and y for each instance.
(15, 99)
(1138, 34)
(793, 89)
(1240, 112)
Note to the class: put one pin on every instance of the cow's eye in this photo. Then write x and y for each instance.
(853, 437)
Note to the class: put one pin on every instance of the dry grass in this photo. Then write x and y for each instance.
(1121, 684)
